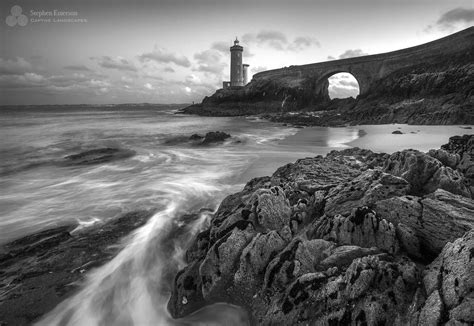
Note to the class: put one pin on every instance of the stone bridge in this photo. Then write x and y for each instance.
(370, 69)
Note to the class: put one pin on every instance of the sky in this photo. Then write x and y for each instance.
(177, 51)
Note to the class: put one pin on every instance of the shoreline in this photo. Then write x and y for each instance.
(60, 241)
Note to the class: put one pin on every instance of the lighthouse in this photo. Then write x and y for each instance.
(238, 71)
(236, 75)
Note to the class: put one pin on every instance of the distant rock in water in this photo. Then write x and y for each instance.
(397, 132)
(212, 137)
(215, 137)
(97, 156)
(353, 238)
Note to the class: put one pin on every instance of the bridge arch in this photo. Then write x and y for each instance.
(343, 85)
(363, 76)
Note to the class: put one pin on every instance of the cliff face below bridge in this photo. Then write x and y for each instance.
(428, 84)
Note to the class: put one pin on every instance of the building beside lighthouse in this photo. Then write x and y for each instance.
(238, 71)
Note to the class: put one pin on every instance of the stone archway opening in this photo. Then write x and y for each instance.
(343, 85)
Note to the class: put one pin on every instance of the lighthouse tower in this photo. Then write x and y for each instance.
(236, 74)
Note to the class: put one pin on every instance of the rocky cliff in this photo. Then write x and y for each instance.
(353, 238)
(428, 84)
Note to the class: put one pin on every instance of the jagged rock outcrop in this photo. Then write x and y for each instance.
(353, 238)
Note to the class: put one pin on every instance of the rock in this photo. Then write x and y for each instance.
(98, 156)
(432, 310)
(332, 241)
(436, 220)
(397, 132)
(270, 208)
(342, 256)
(409, 241)
(366, 189)
(448, 159)
(362, 228)
(196, 137)
(450, 180)
(376, 288)
(425, 173)
(220, 262)
(254, 260)
(449, 284)
(215, 137)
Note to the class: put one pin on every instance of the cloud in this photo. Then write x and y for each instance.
(271, 38)
(55, 83)
(352, 53)
(331, 58)
(254, 70)
(14, 66)
(77, 68)
(463, 15)
(343, 85)
(168, 69)
(118, 63)
(278, 41)
(148, 86)
(161, 55)
(210, 61)
(221, 47)
(453, 19)
(303, 42)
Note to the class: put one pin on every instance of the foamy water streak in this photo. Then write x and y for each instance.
(129, 290)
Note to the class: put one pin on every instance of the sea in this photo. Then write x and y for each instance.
(168, 174)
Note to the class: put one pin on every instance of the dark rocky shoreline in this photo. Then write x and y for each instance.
(40, 270)
(353, 238)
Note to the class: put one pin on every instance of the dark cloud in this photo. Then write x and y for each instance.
(168, 69)
(331, 58)
(161, 55)
(77, 68)
(16, 66)
(452, 19)
(115, 63)
(351, 53)
(463, 15)
(210, 61)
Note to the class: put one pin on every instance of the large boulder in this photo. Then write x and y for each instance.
(340, 240)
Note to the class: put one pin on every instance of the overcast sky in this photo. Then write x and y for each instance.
(176, 51)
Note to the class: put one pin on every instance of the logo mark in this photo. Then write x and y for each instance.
(16, 17)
